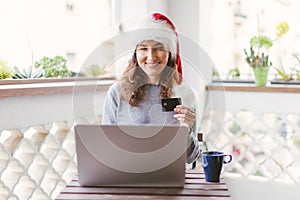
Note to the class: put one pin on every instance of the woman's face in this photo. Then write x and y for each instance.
(152, 57)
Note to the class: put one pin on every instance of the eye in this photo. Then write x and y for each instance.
(142, 49)
(160, 48)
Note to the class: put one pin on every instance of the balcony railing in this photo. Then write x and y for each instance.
(261, 127)
(37, 147)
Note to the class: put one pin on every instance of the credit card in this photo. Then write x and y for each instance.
(170, 103)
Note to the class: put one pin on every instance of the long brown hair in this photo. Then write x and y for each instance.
(134, 81)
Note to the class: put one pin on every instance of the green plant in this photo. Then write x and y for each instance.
(5, 70)
(215, 73)
(283, 74)
(28, 73)
(94, 71)
(53, 67)
(234, 73)
(258, 44)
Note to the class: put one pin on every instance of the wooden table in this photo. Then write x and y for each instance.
(195, 188)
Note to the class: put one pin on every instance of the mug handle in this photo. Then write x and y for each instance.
(228, 161)
(204, 161)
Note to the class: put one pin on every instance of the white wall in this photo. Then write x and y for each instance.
(184, 14)
(48, 29)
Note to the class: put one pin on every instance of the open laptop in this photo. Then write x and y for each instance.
(131, 156)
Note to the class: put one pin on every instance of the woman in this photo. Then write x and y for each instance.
(154, 72)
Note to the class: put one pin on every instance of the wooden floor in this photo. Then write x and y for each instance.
(195, 188)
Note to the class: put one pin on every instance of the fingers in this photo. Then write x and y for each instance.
(180, 109)
(188, 121)
(185, 115)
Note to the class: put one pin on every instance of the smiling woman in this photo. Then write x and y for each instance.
(153, 73)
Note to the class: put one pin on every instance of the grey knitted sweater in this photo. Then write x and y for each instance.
(148, 111)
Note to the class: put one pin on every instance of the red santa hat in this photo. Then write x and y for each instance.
(161, 29)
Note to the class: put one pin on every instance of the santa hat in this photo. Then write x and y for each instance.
(161, 29)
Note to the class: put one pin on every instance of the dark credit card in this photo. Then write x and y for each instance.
(169, 104)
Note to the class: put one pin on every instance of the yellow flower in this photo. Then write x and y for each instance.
(281, 29)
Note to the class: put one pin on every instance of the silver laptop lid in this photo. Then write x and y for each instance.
(145, 156)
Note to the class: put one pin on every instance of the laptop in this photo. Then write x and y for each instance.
(131, 156)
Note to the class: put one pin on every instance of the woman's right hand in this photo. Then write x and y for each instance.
(185, 115)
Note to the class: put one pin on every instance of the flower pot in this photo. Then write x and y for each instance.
(261, 75)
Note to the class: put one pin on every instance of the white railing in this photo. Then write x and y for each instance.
(262, 132)
(37, 147)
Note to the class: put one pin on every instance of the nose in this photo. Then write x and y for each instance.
(151, 54)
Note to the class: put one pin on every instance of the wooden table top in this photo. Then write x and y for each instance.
(195, 188)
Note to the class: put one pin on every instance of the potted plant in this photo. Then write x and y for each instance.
(283, 74)
(291, 76)
(5, 70)
(233, 73)
(28, 73)
(257, 57)
(53, 67)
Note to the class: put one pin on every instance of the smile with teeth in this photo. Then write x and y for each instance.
(152, 64)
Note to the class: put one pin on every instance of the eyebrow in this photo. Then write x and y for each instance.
(142, 45)
(154, 46)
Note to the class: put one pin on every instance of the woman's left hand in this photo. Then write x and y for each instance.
(185, 115)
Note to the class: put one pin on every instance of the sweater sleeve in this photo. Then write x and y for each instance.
(189, 99)
(110, 108)
(193, 148)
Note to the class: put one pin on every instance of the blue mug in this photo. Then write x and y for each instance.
(212, 163)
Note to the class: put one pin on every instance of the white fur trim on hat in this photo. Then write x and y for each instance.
(157, 30)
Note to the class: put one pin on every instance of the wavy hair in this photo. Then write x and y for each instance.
(134, 81)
